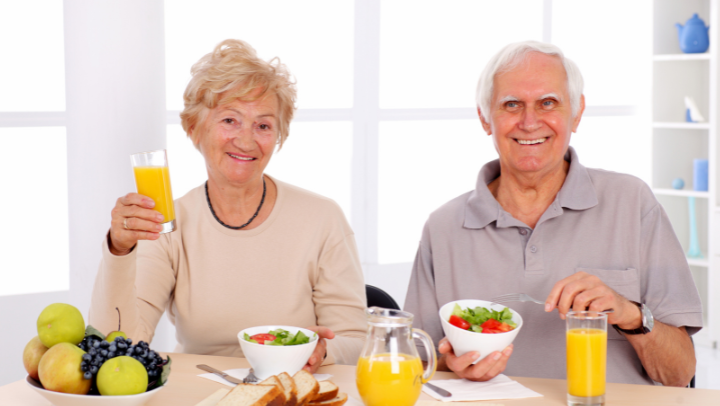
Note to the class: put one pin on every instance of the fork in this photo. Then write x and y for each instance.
(251, 378)
(514, 297)
(522, 297)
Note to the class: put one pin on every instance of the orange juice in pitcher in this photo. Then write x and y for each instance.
(389, 371)
(387, 379)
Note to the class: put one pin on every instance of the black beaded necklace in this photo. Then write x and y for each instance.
(248, 222)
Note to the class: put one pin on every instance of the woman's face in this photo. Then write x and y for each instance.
(530, 115)
(237, 139)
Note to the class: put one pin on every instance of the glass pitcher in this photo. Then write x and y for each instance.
(389, 371)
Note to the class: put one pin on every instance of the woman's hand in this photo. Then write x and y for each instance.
(582, 291)
(133, 219)
(488, 368)
(318, 356)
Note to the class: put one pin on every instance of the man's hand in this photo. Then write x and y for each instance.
(318, 355)
(488, 368)
(582, 291)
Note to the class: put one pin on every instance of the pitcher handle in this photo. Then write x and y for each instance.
(430, 350)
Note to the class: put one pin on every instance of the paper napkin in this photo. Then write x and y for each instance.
(241, 373)
(500, 387)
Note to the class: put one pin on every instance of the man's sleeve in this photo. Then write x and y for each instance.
(668, 287)
(421, 298)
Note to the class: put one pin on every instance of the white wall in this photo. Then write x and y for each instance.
(115, 105)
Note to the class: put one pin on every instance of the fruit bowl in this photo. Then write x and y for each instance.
(465, 341)
(64, 399)
(268, 360)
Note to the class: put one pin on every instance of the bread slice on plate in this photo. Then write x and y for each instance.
(339, 400)
(253, 395)
(290, 389)
(328, 390)
(307, 387)
(274, 381)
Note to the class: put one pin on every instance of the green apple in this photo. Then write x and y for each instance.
(33, 352)
(122, 375)
(59, 370)
(111, 336)
(60, 323)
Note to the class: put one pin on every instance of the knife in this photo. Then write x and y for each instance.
(219, 373)
(440, 391)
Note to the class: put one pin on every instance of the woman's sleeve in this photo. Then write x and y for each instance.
(339, 297)
(139, 284)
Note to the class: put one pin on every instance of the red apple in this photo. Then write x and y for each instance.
(59, 370)
(34, 350)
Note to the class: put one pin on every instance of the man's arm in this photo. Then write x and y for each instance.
(666, 353)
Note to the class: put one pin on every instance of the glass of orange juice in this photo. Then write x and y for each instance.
(152, 178)
(389, 371)
(586, 357)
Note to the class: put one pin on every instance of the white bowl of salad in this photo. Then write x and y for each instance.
(475, 325)
(271, 350)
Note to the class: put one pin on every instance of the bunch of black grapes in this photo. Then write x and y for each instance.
(97, 351)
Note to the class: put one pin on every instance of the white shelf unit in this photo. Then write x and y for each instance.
(676, 143)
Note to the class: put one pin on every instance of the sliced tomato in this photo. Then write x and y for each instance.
(504, 327)
(261, 338)
(491, 324)
(459, 322)
(491, 331)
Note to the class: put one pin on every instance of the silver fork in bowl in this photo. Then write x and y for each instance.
(515, 297)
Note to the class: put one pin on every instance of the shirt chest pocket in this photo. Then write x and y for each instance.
(624, 282)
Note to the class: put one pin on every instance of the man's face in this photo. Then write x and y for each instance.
(530, 117)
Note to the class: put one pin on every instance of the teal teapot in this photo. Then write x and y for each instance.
(693, 36)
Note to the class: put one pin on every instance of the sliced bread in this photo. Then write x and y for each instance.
(307, 387)
(253, 395)
(328, 390)
(274, 381)
(290, 389)
(336, 401)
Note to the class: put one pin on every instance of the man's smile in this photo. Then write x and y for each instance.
(531, 142)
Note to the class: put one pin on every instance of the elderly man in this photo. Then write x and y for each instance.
(539, 222)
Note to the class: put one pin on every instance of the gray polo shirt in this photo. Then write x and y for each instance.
(604, 223)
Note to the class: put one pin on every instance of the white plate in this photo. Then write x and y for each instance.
(64, 399)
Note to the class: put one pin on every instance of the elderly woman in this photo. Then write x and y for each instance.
(249, 249)
(540, 223)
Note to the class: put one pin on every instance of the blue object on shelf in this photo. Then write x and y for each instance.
(700, 175)
(678, 183)
(688, 116)
(693, 36)
(694, 250)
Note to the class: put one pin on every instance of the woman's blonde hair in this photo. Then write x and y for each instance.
(233, 71)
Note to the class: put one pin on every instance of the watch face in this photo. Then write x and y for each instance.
(647, 318)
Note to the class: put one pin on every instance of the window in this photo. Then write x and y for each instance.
(386, 97)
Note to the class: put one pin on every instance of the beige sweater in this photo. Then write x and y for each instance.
(298, 268)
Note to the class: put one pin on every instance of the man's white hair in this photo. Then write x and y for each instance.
(514, 54)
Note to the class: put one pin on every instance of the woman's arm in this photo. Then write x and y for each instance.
(340, 302)
(138, 284)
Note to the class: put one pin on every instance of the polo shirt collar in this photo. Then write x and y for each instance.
(481, 208)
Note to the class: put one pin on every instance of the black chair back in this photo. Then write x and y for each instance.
(380, 298)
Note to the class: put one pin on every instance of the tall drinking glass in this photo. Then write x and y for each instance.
(152, 178)
(586, 357)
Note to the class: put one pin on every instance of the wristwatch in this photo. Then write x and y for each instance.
(647, 321)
